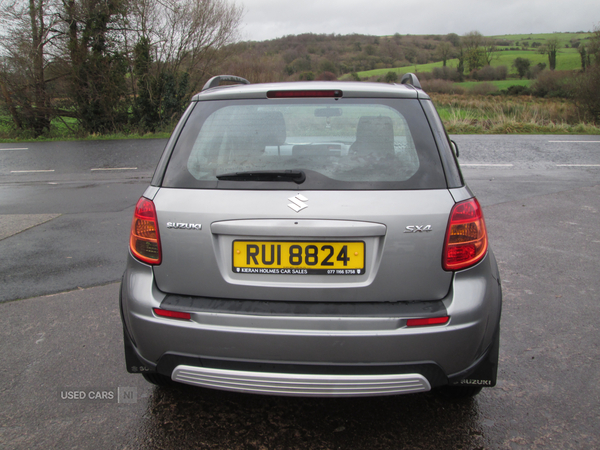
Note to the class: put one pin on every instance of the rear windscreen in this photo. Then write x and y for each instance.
(336, 144)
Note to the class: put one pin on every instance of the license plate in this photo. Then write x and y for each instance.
(299, 258)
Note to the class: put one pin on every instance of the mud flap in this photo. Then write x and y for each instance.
(485, 372)
(134, 363)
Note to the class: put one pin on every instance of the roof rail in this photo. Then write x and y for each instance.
(216, 81)
(411, 78)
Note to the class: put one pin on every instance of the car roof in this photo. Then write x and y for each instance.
(349, 89)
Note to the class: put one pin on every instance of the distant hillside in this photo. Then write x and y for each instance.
(310, 56)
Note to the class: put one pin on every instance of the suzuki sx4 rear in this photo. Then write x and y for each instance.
(311, 239)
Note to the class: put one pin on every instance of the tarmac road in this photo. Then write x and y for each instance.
(541, 202)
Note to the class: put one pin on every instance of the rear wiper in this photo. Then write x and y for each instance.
(297, 176)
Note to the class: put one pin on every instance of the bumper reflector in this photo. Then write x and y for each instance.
(427, 322)
(172, 314)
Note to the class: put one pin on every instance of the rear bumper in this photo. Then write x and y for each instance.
(315, 354)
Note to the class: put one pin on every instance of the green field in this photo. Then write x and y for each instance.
(500, 84)
(563, 38)
(566, 59)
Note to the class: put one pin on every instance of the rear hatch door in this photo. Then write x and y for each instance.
(363, 246)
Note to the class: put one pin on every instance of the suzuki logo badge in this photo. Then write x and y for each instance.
(298, 202)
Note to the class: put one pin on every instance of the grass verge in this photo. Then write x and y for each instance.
(477, 114)
(461, 114)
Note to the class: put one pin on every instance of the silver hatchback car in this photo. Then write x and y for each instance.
(311, 239)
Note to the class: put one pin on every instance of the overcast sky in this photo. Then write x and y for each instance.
(269, 19)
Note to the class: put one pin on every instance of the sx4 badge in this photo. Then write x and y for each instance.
(417, 228)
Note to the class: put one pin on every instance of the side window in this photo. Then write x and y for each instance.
(449, 160)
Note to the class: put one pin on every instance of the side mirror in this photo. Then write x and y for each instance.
(454, 148)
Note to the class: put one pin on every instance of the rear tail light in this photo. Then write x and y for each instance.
(144, 241)
(466, 237)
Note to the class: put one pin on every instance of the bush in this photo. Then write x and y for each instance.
(501, 72)
(522, 65)
(445, 73)
(442, 87)
(391, 77)
(553, 83)
(587, 86)
(489, 73)
(534, 71)
(327, 66)
(307, 76)
(517, 90)
(482, 89)
(424, 76)
(327, 76)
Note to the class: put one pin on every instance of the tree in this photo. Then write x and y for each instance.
(593, 47)
(444, 52)
(587, 83)
(28, 44)
(391, 77)
(583, 55)
(146, 108)
(488, 48)
(307, 76)
(98, 67)
(327, 66)
(411, 54)
(391, 49)
(472, 40)
(187, 36)
(460, 68)
(453, 38)
(100, 58)
(474, 54)
(522, 66)
(475, 59)
(550, 49)
(183, 40)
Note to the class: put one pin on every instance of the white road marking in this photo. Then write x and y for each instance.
(511, 165)
(115, 168)
(31, 171)
(486, 165)
(578, 142)
(578, 165)
(11, 149)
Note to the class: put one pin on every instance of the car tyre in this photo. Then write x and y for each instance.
(157, 379)
(458, 392)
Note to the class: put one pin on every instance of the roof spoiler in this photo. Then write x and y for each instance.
(411, 78)
(216, 81)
